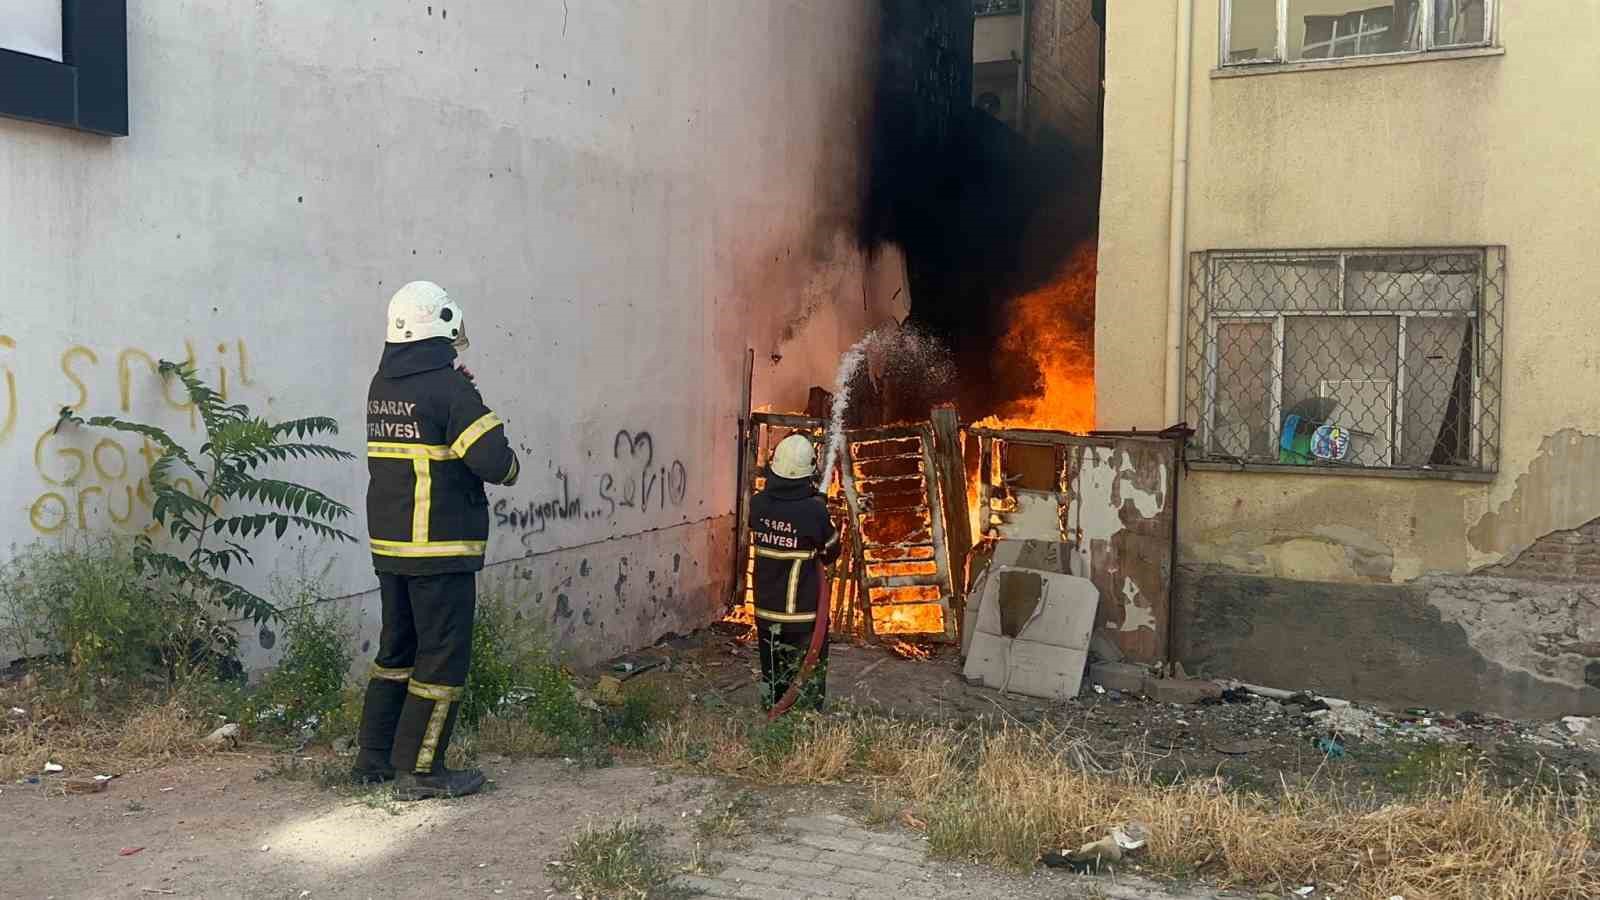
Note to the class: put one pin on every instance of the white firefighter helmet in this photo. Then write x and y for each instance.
(794, 457)
(422, 310)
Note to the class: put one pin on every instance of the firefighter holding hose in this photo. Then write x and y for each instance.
(431, 446)
(793, 538)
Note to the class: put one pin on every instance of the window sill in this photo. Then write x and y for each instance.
(1355, 62)
(1344, 472)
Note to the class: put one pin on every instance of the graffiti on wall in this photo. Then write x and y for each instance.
(632, 483)
(90, 479)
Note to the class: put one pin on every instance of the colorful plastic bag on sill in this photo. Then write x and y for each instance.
(1330, 442)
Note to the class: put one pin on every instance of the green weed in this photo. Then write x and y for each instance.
(622, 860)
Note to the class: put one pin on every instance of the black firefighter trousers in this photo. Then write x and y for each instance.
(420, 672)
(783, 652)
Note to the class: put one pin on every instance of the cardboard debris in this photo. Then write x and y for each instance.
(1032, 632)
(1045, 556)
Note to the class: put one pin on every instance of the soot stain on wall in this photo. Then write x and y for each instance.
(983, 214)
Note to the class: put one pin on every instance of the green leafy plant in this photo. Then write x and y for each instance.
(231, 504)
(305, 692)
(84, 604)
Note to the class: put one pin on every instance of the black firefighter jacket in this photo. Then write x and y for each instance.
(793, 538)
(431, 445)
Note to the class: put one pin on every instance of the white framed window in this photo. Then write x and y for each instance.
(1354, 359)
(1265, 32)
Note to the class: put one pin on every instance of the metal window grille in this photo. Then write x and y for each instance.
(1373, 359)
(1256, 32)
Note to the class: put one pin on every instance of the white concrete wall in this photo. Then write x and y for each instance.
(624, 196)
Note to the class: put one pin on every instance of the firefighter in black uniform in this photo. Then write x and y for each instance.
(793, 539)
(431, 446)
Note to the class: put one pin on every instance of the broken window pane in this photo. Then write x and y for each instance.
(1252, 30)
(1440, 282)
(1437, 405)
(1320, 29)
(1340, 372)
(1457, 22)
(1242, 418)
(1277, 284)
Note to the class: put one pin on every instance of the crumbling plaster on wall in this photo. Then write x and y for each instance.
(1387, 530)
(1324, 528)
(1559, 491)
(1550, 631)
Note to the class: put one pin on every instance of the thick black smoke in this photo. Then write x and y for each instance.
(983, 214)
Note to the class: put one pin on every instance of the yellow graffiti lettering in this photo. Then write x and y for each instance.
(121, 457)
(66, 369)
(150, 452)
(75, 455)
(244, 364)
(122, 519)
(41, 522)
(143, 492)
(188, 347)
(83, 497)
(125, 377)
(10, 420)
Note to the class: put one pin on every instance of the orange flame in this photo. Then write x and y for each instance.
(906, 649)
(1047, 326)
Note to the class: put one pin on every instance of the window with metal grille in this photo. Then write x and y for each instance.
(1255, 32)
(1366, 359)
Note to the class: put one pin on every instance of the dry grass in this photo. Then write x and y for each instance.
(1004, 796)
(513, 737)
(87, 744)
(1460, 839)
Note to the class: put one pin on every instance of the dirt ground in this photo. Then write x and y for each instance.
(219, 828)
(1258, 744)
(233, 825)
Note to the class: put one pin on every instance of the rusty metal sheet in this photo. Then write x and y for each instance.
(1119, 521)
(1114, 506)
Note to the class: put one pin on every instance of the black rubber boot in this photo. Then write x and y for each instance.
(440, 785)
(379, 717)
(371, 767)
(422, 740)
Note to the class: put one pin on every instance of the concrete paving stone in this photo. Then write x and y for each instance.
(819, 824)
(867, 878)
(765, 892)
(900, 854)
(828, 842)
(862, 835)
(835, 890)
(903, 870)
(745, 875)
(710, 887)
(805, 869)
(793, 851)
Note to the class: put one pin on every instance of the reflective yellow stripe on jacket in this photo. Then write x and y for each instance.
(799, 558)
(422, 457)
(469, 435)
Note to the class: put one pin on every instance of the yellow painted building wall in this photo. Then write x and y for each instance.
(1492, 149)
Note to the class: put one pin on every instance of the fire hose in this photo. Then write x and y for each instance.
(819, 639)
